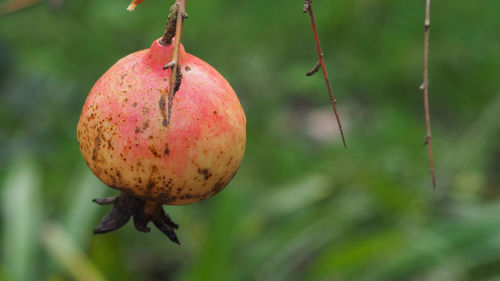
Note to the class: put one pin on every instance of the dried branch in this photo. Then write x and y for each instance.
(321, 63)
(133, 4)
(174, 27)
(425, 87)
(16, 6)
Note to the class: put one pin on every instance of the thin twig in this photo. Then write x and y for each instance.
(174, 74)
(175, 20)
(321, 61)
(425, 88)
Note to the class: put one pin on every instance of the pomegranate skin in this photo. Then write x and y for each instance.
(126, 142)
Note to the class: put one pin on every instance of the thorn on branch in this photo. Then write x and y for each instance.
(169, 65)
(314, 69)
(427, 140)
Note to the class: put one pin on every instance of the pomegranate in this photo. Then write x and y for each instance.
(128, 144)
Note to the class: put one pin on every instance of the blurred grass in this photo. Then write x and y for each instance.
(301, 207)
(61, 247)
(22, 213)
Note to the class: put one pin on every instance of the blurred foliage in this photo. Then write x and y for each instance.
(301, 207)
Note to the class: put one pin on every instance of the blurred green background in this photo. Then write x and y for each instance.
(301, 207)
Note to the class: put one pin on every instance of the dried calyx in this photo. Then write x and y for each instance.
(126, 206)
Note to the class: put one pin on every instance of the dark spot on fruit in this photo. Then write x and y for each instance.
(205, 172)
(219, 185)
(163, 105)
(97, 143)
(113, 180)
(137, 130)
(134, 104)
(215, 112)
(145, 125)
(167, 151)
(153, 150)
(188, 196)
(187, 68)
(151, 184)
